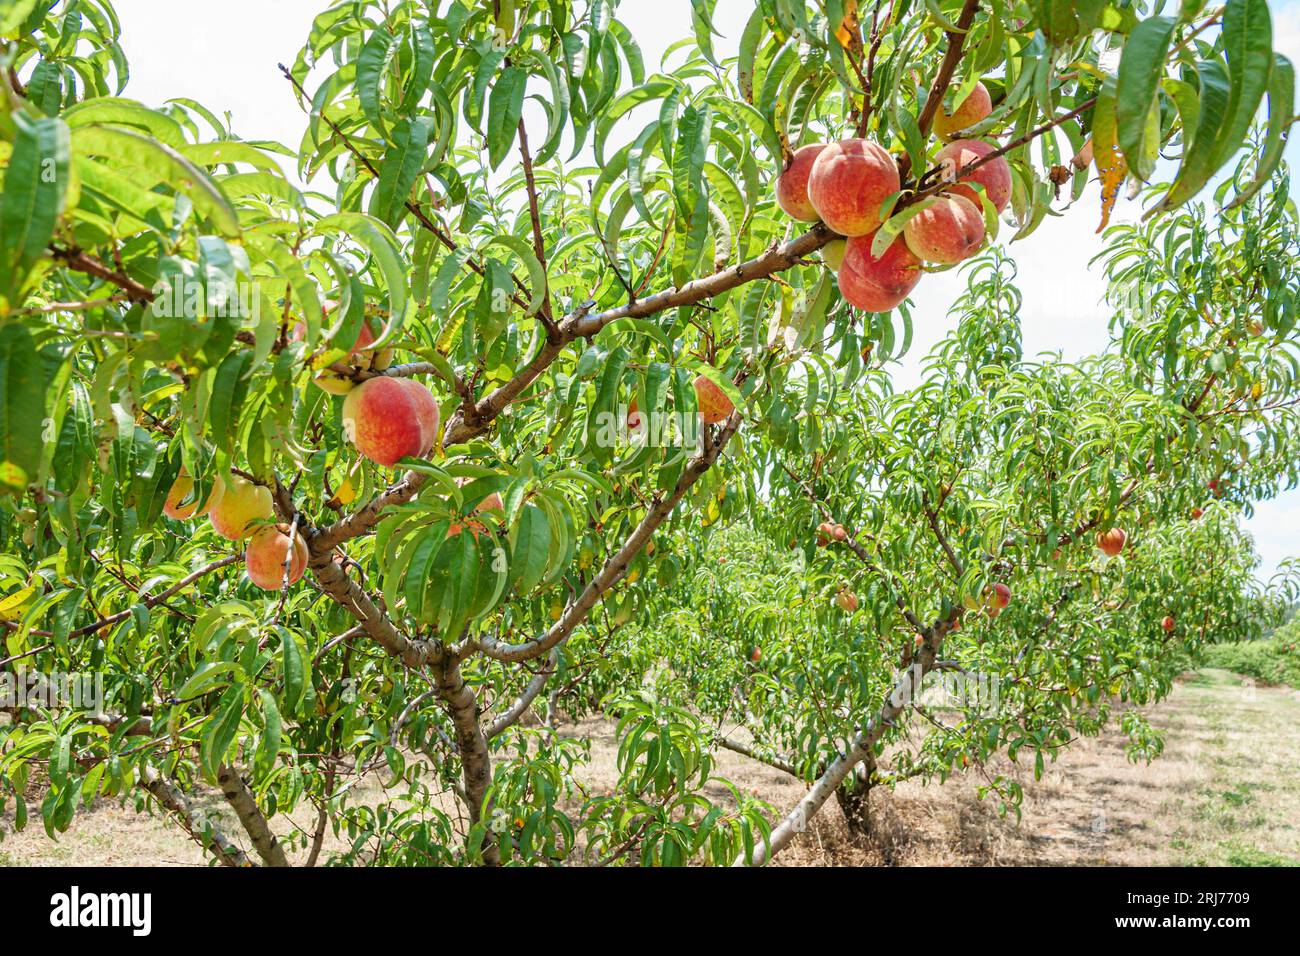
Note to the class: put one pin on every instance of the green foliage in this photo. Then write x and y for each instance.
(1274, 661)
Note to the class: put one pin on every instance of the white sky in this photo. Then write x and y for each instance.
(228, 63)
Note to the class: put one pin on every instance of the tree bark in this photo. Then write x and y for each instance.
(250, 816)
(475, 758)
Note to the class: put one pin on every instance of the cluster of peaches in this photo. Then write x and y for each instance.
(846, 184)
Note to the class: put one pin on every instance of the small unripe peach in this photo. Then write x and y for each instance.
(849, 183)
(877, 285)
(792, 184)
(976, 106)
(265, 556)
(994, 176)
(1112, 542)
(833, 253)
(391, 418)
(714, 404)
(239, 505)
(947, 231)
(846, 600)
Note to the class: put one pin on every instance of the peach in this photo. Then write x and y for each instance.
(238, 505)
(829, 531)
(994, 176)
(1112, 542)
(947, 231)
(846, 600)
(1167, 624)
(391, 418)
(849, 182)
(975, 107)
(1000, 596)
(792, 184)
(377, 361)
(267, 551)
(180, 506)
(714, 404)
(877, 285)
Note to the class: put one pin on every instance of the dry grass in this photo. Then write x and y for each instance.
(1225, 792)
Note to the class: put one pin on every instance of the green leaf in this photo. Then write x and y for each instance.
(383, 246)
(120, 145)
(22, 397)
(400, 168)
(505, 106)
(530, 546)
(1198, 157)
(220, 731)
(294, 668)
(372, 65)
(1140, 69)
(536, 274)
(35, 190)
(1281, 110)
(1248, 45)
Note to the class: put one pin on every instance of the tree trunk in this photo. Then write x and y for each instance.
(475, 759)
(854, 798)
(250, 815)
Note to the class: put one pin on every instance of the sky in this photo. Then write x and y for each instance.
(227, 61)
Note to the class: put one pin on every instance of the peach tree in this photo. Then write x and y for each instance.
(327, 476)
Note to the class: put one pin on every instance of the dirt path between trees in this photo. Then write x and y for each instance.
(1226, 791)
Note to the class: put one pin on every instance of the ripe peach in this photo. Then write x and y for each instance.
(1196, 514)
(975, 107)
(994, 176)
(391, 418)
(792, 184)
(947, 231)
(877, 285)
(239, 504)
(756, 655)
(713, 401)
(849, 182)
(266, 553)
(1167, 624)
(1112, 542)
(829, 531)
(180, 506)
(1000, 596)
(846, 600)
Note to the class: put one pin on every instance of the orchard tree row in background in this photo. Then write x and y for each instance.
(351, 480)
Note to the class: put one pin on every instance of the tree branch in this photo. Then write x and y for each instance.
(204, 833)
(511, 715)
(615, 568)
